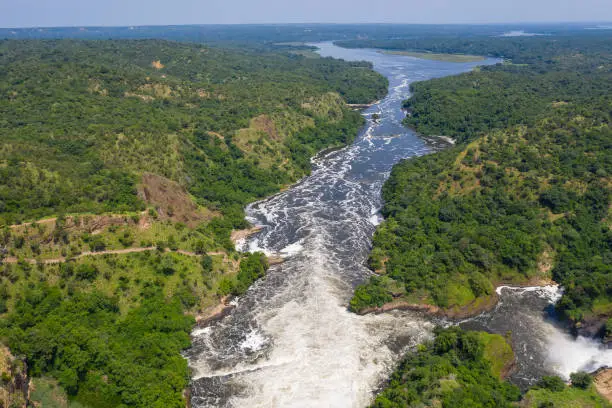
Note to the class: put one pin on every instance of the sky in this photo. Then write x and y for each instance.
(53, 13)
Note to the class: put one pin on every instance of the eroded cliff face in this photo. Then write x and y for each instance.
(14, 380)
(603, 382)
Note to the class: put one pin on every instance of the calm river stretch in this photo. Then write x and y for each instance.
(290, 341)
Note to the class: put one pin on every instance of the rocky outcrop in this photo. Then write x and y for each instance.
(472, 309)
(14, 380)
(602, 379)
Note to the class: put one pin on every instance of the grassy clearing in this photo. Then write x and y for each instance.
(90, 233)
(498, 351)
(47, 393)
(438, 57)
(570, 397)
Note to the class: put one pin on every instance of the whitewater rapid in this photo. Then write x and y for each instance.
(290, 341)
(541, 344)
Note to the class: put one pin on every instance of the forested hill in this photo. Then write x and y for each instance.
(523, 197)
(80, 120)
(544, 47)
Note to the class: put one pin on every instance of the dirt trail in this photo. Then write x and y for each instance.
(52, 220)
(107, 252)
(25, 224)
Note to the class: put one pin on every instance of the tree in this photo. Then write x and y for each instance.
(581, 380)
(86, 272)
(199, 247)
(553, 383)
(167, 266)
(207, 264)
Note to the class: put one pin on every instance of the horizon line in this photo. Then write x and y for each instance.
(311, 23)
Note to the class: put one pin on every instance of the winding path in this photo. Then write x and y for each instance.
(12, 260)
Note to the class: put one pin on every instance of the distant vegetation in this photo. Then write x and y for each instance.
(500, 97)
(457, 369)
(519, 50)
(525, 196)
(279, 36)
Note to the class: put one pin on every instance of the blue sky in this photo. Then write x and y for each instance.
(45, 13)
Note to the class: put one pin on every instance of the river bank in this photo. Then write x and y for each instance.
(475, 308)
(437, 57)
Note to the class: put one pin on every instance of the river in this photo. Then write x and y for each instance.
(290, 341)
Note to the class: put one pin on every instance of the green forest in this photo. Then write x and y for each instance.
(95, 114)
(524, 196)
(460, 369)
(124, 167)
(520, 50)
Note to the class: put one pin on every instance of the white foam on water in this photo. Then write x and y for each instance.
(447, 139)
(241, 244)
(292, 249)
(552, 293)
(376, 217)
(201, 332)
(567, 355)
(326, 356)
(254, 246)
(254, 341)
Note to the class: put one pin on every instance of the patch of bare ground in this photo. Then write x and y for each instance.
(275, 260)
(217, 135)
(603, 382)
(239, 235)
(89, 223)
(360, 106)
(12, 260)
(508, 369)
(96, 224)
(546, 261)
(477, 307)
(157, 64)
(215, 312)
(171, 200)
(265, 124)
(27, 224)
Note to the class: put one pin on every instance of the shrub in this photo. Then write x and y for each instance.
(581, 380)
(207, 263)
(552, 383)
(86, 272)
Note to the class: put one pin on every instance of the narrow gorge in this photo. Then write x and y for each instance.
(290, 340)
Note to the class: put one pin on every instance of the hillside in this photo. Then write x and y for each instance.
(228, 125)
(125, 166)
(523, 198)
